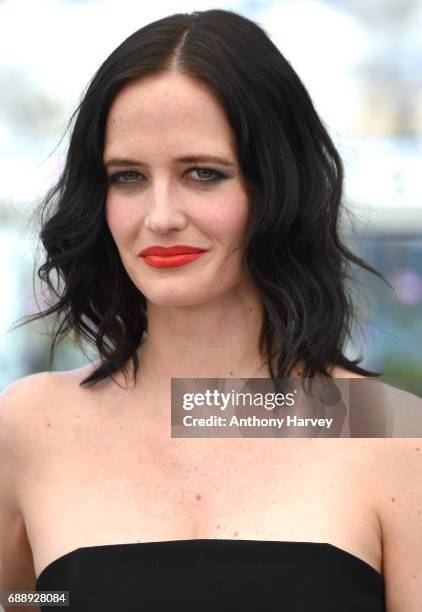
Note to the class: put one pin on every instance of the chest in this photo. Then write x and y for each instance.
(103, 481)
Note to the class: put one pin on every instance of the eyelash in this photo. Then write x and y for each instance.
(113, 179)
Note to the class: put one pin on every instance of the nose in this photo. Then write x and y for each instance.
(163, 210)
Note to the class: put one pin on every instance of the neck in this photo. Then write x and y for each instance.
(213, 340)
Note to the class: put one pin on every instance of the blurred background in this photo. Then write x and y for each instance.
(361, 63)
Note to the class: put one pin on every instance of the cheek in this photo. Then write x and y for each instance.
(230, 222)
(120, 220)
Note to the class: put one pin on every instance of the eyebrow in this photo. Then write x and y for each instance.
(120, 161)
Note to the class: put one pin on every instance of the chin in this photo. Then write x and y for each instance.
(187, 291)
(189, 296)
(176, 295)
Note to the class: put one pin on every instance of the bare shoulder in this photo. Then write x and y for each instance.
(395, 469)
(17, 443)
(31, 395)
(24, 406)
(392, 469)
(46, 402)
(398, 491)
(17, 398)
(20, 404)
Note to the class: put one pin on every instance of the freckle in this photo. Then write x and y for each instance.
(218, 526)
(48, 424)
(393, 499)
(250, 309)
(231, 373)
(236, 533)
(198, 497)
(417, 448)
(414, 576)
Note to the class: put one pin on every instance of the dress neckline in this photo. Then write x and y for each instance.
(209, 542)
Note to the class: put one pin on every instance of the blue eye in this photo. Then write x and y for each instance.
(114, 177)
(216, 177)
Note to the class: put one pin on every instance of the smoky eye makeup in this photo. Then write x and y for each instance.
(131, 176)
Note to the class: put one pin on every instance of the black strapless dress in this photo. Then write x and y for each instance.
(215, 575)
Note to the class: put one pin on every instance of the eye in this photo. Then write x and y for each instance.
(114, 178)
(216, 175)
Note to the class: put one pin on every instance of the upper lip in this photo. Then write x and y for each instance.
(178, 249)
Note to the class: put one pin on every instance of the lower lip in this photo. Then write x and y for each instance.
(170, 261)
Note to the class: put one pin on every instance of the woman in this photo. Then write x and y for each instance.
(197, 134)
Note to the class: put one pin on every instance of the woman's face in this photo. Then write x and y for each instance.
(166, 190)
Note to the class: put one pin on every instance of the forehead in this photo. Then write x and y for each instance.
(169, 110)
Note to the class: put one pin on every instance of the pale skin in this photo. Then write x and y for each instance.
(88, 466)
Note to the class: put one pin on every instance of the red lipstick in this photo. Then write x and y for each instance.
(170, 257)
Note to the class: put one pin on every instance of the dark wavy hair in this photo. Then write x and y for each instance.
(294, 179)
